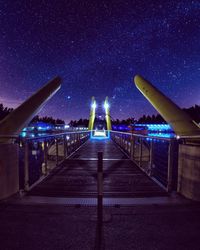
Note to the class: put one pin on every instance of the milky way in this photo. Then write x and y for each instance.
(97, 47)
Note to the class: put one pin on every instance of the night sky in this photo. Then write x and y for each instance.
(97, 47)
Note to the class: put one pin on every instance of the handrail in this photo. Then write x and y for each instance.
(56, 135)
(43, 136)
(188, 137)
(46, 152)
(148, 157)
(176, 137)
(145, 136)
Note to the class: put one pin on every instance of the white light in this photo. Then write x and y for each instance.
(94, 105)
(106, 105)
(99, 133)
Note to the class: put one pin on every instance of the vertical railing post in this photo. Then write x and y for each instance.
(64, 147)
(77, 140)
(132, 147)
(72, 142)
(121, 140)
(126, 143)
(170, 166)
(140, 152)
(45, 157)
(26, 166)
(74, 148)
(151, 158)
(67, 146)
(56, 152)
(100, 187)
(77, 145)
(129, 145)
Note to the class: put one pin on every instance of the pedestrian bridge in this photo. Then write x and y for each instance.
(77, 175)
(65, 167)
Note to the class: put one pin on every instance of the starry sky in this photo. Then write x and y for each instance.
(97, 47)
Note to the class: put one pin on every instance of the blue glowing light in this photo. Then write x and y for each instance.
(164, 135)
(100, 137)
(154, 127)
(23, 134)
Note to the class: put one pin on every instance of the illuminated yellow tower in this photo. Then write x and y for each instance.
(107, 114)
(180, 121)
(92, 114)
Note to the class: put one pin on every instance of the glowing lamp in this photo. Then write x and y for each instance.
(106, 106)
(94, 105)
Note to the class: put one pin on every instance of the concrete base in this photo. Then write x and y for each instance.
(189, 171)
(9, 170)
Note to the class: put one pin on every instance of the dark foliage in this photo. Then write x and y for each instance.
(154, 119)
(47, 119)
(80, 123)
(4, 111)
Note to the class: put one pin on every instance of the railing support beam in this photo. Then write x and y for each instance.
(100, 187)
(170, 166)
(26, 167)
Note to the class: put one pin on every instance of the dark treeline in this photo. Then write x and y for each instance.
(80, 123)
(154, 119)
(4, 111)
(47, 119)
(193, 111)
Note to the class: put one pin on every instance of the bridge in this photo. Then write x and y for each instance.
(75, 163)
(101, 169)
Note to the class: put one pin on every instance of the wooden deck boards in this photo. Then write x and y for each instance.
(77, 177)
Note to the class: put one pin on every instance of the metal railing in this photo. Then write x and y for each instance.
(38, 156)
(156, 156)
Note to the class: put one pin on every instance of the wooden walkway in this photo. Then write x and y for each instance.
(77, 176)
